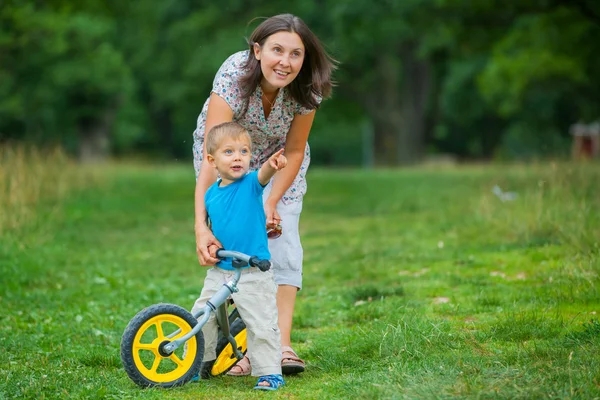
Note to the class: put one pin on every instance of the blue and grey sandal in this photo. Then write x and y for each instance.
(274, 381)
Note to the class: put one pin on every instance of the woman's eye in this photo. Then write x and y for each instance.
(277, 50)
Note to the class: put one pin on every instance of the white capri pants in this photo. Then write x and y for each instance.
(286, 251)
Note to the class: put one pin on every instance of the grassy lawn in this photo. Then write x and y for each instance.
(418, 283)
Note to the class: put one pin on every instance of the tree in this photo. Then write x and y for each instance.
(474, 78)
(384, 70)
(65, 79)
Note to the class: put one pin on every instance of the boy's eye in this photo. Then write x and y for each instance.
(244, 151)
(228, 151)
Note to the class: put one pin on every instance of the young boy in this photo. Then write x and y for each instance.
(235, 208)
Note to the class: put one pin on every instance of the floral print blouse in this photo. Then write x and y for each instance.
(268, 135)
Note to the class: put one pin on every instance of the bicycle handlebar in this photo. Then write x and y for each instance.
(253, 261)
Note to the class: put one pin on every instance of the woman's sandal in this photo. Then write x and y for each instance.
(241, 368)
(274, 381)
(290, 362)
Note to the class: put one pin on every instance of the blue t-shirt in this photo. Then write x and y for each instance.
(238, 217)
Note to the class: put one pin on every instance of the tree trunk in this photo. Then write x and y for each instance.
(415, 88)
(164, 128)
(94, 137)
(397, 107)
(383, 106)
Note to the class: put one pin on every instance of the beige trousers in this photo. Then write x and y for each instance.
(256, 302)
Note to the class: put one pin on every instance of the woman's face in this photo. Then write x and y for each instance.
(281, 58)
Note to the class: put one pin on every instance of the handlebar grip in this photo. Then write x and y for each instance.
(263, 265)
(218, 251)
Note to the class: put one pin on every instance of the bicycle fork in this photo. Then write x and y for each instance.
(223, 322)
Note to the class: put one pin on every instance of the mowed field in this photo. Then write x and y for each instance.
(419, 283)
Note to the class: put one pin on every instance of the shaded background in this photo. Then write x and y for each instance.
(469, 80)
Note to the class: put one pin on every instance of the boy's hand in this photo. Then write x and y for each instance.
(278, 161)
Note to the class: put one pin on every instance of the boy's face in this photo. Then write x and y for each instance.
(231, 159)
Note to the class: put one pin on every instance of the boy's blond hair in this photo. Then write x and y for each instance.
(226, 130)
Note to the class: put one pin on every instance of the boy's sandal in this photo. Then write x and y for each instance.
(241, 368)
(274, 381)
(290, 362)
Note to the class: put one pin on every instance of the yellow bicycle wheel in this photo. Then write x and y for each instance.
(142, 347)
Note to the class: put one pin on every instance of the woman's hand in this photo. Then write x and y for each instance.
(273, 218)
(295, 147)
(205, 246)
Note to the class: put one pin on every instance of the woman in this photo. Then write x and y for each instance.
(273, 90)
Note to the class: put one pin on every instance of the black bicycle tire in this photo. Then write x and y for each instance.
(129, 336)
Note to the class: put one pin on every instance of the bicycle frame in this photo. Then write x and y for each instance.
(218, 303)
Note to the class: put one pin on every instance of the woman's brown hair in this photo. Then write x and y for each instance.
(313, 80)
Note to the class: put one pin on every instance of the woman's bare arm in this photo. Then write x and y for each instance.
(218, 112)
(295, 146)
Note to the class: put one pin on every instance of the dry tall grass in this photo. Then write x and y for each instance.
(30, 177)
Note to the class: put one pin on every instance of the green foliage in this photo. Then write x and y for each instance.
(527, 140)
(471, 73)
(539, 51)
(464, 111)
(337, 134)
(63, 71)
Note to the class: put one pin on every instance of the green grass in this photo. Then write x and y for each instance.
(418, 283)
